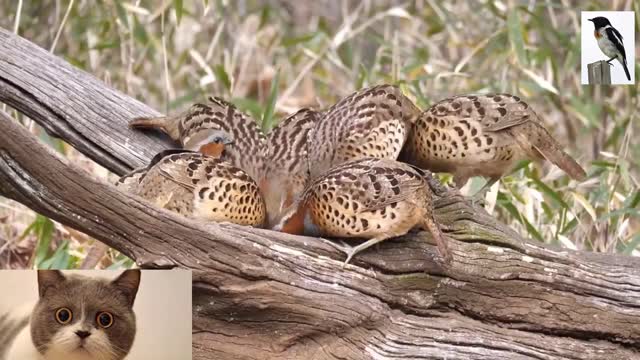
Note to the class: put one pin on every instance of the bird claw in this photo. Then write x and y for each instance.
(343, 247)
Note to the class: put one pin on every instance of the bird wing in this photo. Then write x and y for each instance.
(345, 127)
(376, 182)
(395, 185)
(616, 38)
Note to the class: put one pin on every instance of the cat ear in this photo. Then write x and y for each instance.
(47, 279)
(128, 283)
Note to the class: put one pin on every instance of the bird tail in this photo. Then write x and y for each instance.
(626, 69)
(550, 149)
(166, 124)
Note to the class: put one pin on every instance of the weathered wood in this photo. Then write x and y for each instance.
(265, 295)
(75, 106)
(599, 73)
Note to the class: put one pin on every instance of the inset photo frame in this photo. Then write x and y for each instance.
(608, 48)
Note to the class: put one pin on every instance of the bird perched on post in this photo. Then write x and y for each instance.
(369, 198)
(610, 42)
(201, 123)
(199, 186)
(373, 122)
(482, 135)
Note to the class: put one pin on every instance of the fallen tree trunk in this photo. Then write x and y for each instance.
(259, 294)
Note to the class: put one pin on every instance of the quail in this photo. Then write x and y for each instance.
(482, 135)
(200, 186)
(373, 122)
(369, 198)
(287, 167)
(202, 124)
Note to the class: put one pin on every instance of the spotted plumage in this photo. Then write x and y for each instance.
(202, 124)
(369, 198)
(482, 135)
(199, 186)
(373, 122)
(286, 164)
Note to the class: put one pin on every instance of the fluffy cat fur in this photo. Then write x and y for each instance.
(41, 335)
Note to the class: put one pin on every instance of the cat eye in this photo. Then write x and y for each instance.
(104, 320)
(64, 316)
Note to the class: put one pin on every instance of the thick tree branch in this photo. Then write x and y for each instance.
(265, 295)
(75, 106)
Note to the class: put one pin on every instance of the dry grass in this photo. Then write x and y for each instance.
(170, 57)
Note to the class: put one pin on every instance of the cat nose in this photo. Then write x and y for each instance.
(83, 334)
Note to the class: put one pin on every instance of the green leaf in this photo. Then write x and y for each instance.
(363, 75)
(267, 117)
(295, 40)
(44, 231)
(515, 36)
(632, 245)
(222, 76)
(139, 32)
(106, 45)
(550, 192)
(122, 13)
(264, 16)
(60, 258)
(178, 6)
(249, 106)
(122, 262)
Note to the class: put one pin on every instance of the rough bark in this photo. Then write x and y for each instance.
(259, 294)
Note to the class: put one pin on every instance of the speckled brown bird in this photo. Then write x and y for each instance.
(198, 186)
(369, 198)
(373, 122)
(202, 124)
(286, 165)
(482, 135)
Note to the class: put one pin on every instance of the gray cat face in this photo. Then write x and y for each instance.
(79, 318)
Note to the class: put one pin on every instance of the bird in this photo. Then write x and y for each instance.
(482, 135)
(610, 42)
(199, 186)
(369, 198)
(202, 124)
(372, 122)
(286, 170)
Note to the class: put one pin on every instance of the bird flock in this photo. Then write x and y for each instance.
(359, 169)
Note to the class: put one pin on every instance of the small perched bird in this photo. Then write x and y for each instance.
(373, 122)
(199, 186)
(202, 124)
(369, 198)
(610, 42)
(483, 135)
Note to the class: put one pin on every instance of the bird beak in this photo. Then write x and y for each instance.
(228, 142)
(591, 20)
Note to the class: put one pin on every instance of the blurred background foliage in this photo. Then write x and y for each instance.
(273, 57)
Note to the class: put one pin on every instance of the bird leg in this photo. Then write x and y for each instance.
(610, 60)
(430, 225)
(351, 251)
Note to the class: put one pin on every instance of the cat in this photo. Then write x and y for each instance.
(75, 318)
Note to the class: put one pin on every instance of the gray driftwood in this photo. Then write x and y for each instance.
(259, 294)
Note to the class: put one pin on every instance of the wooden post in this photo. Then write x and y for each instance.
(599, 73)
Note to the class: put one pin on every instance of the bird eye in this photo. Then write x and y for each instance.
(217, 140)
(64, 316)
(104, 320)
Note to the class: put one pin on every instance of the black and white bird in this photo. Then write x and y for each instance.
(610, 42)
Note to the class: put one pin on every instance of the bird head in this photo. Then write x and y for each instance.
(600, 22)
(212, 143)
